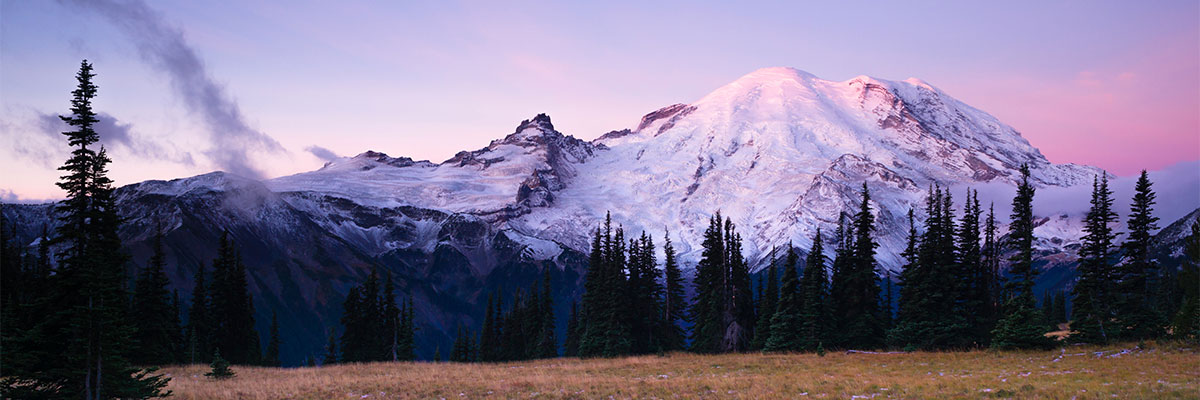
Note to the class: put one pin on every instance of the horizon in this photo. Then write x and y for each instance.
(295, 96)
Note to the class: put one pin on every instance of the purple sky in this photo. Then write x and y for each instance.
(273, 87)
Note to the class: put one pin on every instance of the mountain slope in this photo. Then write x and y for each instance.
(780, 151)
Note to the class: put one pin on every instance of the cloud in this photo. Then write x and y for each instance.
(163, 46)
(1177, 188)
(323, 153)
(114, 135)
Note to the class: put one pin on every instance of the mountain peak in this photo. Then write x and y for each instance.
(774, 74)
(540, 121)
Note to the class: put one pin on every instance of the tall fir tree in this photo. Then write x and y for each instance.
(199, 328)
(547, 345)
(1022, 326)
(862, 322)
(786, 322)
(605, 327)
(645, 292)
(724, 307)
(816, 310)
(571, 344)
(674, 306)
(489, 336)
(766, 305)
(80, 347)
(1093, 295)
(1137, 311)
(331, 351)
(271, 358)
(977, 283)
(157, 326)
(232, 307)
(840, 272)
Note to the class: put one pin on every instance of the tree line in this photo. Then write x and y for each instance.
(953, 293)
(375, 326)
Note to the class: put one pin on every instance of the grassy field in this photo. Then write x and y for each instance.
(1118, 371)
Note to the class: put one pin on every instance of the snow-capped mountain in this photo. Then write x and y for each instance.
(779, 151)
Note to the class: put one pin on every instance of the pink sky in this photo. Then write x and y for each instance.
(1115, 85)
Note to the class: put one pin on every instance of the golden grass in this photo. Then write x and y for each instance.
(1159, 371)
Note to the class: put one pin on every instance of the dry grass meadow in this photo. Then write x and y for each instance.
(1117, 371)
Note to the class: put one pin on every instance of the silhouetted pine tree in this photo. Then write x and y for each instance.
(605, 327)
(406, 346)
(645, 294)
(331, 353)
(199, 328)
(674, 307)
(271, 358)
(1021, 326)
(489, 337)
(977, 275)
(840, 273)
(1093, 293)
(547, 346)
(724, 307)
(861, 323)
(1137, 312)
(786, 322)
(769, 295)
(81, 343)
(232, 307)
(816, 310)
(571, 344)
(157, 319)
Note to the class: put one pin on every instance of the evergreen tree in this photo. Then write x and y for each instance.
(571, 345)
(840, 272)
(674, 308)
(724, 307)
(1137, 312)
(391, 322)
(547, 346)
(232, 307)
(816, 310)
(645, 293)
(489, 336)
(1060, 308)
(199, 320)
(157, 319)
(605, 327)
(331, 353)
(862, 325)
(407, 341)
(81, 343)
(1048, 310)
(991, 265)
(271, 358)
(786, 323)
(977, 277)
(1093, 293)
(220, 367)
(937, 288)
(766, 306)
(1021, 326)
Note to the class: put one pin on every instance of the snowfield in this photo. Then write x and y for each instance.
(780, 151)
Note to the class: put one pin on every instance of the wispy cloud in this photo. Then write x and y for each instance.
(163, 46)
(114, 135)
(323, 153)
